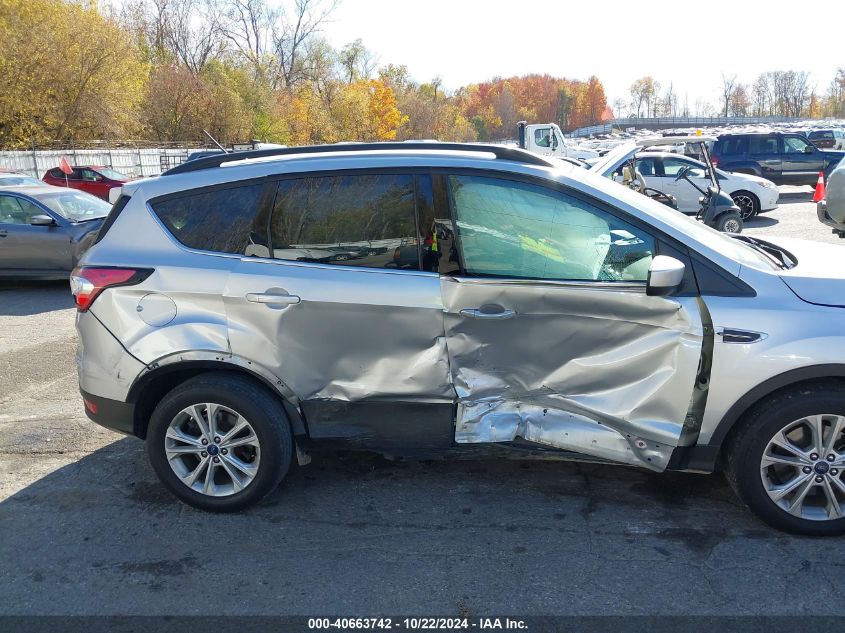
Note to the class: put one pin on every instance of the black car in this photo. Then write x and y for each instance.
(45, 230)
(783, 158)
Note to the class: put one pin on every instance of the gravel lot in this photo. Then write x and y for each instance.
(86, 529)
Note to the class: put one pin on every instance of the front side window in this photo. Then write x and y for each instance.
(220, 220)
(16, 210)
(514, 229)
(543, 137)
(671, 167)
(794, 145)
(354, 220)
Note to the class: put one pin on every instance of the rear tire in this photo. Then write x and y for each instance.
(220, 442)
(754, 454)
(730, 222)
(748, 203)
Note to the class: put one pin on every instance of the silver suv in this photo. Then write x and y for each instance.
(422, 299)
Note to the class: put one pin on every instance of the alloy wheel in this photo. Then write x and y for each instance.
(212, 449)
(802, 467)
(745, 204)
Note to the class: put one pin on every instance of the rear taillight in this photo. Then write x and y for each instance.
(87, 282)
(715, 161)
(397, 254)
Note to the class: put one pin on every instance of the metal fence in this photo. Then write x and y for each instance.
(130, 161)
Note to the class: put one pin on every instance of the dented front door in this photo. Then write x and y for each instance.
(550, 334)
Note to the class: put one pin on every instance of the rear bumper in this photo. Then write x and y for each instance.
(111, 414)
(824, 218)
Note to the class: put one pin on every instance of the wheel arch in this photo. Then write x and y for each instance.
(706, 457)
(162, 377)
(792, 379)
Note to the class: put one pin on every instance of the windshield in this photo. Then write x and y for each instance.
(112, 174)
(14, 181)
(76, 206)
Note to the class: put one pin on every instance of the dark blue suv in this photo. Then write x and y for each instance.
(783, 158)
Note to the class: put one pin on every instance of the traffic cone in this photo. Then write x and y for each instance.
(820, 193)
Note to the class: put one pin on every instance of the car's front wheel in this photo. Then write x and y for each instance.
(787, 460)
(748, 203)
(220, 442)
(730, 222)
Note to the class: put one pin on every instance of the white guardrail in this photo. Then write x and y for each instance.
(132, 162)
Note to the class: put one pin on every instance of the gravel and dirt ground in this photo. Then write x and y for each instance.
(86, 529)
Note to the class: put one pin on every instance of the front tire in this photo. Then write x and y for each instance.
(748, 203)
(220, 442)
(730, 222)
(787, 460)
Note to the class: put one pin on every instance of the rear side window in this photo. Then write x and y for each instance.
(763, 145)
(353, 220)
(821, 135)
(220, 220)
(732, 145)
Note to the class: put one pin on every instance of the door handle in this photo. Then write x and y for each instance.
(3, 233)
(268, 298)
(476, 313)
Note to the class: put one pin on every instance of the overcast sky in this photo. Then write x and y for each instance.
(688, 43)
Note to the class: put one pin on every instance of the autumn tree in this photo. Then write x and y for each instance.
(644, 91)
(728, 87)
(66, 71)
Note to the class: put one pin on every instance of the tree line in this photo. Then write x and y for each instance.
(165, 70)
(784, 93)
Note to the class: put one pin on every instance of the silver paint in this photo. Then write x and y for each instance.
(587, 369)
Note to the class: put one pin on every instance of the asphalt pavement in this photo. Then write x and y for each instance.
(85, 528)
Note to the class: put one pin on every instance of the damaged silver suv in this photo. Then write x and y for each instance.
(422, 299)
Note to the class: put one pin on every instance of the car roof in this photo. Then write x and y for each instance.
(36, 191)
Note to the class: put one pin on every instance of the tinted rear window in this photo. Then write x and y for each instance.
(763, 145)
(220, 220)
(821, 134)
(731, 145)
(357, 220)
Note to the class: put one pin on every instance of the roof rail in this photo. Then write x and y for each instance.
(501, 152)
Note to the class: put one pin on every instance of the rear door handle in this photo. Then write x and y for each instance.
(3, 233)
(476, 313)
(269, 298)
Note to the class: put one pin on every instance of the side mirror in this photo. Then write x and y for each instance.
(41, 220)
(809, 149)
(665, 276)
(682, 173)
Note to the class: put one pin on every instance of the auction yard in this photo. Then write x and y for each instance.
(87, 528)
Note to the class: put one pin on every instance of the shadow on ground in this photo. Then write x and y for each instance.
(18, 298)
(359, 535)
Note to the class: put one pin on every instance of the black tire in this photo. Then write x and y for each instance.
(264, 412)
(744, 452)
(748, 203)
(730, 222)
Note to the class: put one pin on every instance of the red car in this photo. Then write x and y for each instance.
(94, 180)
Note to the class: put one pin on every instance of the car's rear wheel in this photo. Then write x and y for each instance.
(220, 442)
(748, 203)
(787, 461)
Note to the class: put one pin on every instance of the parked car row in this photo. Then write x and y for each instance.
(45, 229)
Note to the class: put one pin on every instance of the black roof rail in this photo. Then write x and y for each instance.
(499, 151)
